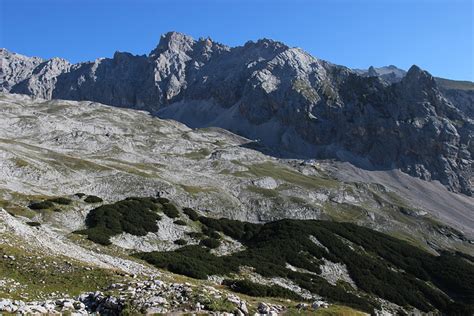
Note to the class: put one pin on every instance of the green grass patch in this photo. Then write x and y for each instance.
(198, 155)
(455, 84)
(196, 190)
(46, 275)
(20, 163)
(269, 169)
(268, 193)
(17, 210)
(219, 305)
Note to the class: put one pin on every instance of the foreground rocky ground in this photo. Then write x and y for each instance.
(151, 297)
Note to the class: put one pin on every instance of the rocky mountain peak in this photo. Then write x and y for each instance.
(174, 42)
(265, 46)
(371, 72)
(15, 68)
(418, 76)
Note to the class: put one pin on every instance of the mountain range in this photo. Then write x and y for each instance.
(290, 103)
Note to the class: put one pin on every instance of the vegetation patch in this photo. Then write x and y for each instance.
(170, 210)
(192, 214)
(61, 201)
(219, 305)
(280, 172)
(20, 163)
(269, 193)
(93, 199)
(49, 203)
(43, 205)
(196, 190)
(383, 266)
(195, 235)
(255, 289)
(45, 275)
(33, 224)
(211, 243)
(180, 242)
(136, 216)
(163, 200)
(198, 155)
(180, 222)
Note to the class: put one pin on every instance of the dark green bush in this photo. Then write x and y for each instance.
(210, 243)
(61, 201)
(33, 224)
(163, 200)
(181, 242)
(151, 202)
(80, 195)
(192, 214)
(93, 199)
(195, 235)
(210, 232)
(270, 247)
(255, 289)
(235, 229)
(193, 261)
(41, 205)
(170, 210)
(134, 216)
(180, 222)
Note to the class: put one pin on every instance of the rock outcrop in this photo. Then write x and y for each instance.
(288, 100)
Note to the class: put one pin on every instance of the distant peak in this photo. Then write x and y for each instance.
(173, 41)
(416, 74)
(266, 43)
(414, 69)
(372, 72)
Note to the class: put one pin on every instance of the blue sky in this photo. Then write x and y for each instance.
(437, 35)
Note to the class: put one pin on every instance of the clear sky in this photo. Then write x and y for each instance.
(437, 35)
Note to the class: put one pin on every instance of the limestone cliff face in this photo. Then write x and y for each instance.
(291, 101)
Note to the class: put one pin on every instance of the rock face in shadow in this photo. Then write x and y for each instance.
(289, 100)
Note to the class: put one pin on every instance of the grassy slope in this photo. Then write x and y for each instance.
(455, 84)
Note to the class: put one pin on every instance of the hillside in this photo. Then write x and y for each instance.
(129, 203)
(296, 105)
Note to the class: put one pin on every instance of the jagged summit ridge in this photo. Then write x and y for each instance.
(290, 101)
